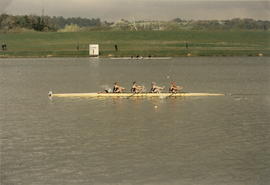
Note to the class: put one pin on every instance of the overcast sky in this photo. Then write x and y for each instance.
(112, 10)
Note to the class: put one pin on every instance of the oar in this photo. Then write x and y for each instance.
(136, 93)
(131, 95)
(176, 93)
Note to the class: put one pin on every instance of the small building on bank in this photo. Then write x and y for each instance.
(93, 50)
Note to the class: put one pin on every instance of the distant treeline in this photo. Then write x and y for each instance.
(43, 23)
(47, 23)
(236, 23)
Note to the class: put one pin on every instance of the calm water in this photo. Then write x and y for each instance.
(184, 141)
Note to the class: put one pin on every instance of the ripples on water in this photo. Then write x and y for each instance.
(192, 140)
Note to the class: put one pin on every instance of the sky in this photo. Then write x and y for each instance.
(113, 10)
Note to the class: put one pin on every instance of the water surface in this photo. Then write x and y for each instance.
(192, 140)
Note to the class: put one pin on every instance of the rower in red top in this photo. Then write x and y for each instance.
(155, 88)
(136, 88)
(175, 88)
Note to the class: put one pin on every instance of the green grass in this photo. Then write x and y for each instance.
(143, 43)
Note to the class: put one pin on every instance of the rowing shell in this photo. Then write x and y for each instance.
(95, 95)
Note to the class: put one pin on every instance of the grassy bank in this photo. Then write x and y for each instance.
(143, 43)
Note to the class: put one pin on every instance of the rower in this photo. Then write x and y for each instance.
(136, 88)
(155, 88)
(174, 88)
(117, 88)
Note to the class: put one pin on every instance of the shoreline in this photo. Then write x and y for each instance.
(119, 44)
(130, 58)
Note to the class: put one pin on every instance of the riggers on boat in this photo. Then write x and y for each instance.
(96, 95)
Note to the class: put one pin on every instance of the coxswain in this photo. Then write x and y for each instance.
(136, 88)
(117, 88)
(155, 88)
(174, 88)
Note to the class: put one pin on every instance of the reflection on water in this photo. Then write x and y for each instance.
(186, 140)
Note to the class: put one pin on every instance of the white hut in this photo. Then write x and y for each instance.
(93, 50)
